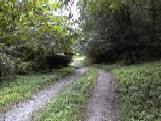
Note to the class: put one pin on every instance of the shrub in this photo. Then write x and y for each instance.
(25, 68)
(7, 65)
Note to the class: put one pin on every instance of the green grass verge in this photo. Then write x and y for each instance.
(139, 91)
(70, 103)
(15, 89)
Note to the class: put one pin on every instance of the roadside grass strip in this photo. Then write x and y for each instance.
(70, 103)
(12, 90)
(139, 91)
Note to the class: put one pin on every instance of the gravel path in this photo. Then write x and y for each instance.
(103, 105)
(24, 111)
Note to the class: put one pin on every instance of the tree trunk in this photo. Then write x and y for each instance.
(129, 53)
(153, 21)
(123, 33)
(132, 30)
(153, 31)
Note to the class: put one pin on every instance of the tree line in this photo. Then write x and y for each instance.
(32, 38)
(121, 30)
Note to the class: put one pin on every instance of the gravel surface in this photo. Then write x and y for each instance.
(24, 111)
(103, 104)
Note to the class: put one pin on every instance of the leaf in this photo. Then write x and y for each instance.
(23, 37)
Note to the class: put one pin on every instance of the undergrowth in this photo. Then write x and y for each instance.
(13, 90)
(139, 91)
(70, 103)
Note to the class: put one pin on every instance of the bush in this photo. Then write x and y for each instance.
(25, 68)
(88, 61)
(48, 62)
(57, 61)
(51, 62)
(7, 65)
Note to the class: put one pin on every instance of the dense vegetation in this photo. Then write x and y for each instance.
(139, 88)
(32, 38)
(70, 104)
(115, 30)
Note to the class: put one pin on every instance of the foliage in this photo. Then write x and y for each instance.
(53, 61)
(15, 89)
(47, 63)
(29, 31)
(69, 104)
(25, 68)
(87, 62)
(7, 65)
(139, 91)
(114, 30)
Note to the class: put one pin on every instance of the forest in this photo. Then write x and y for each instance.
(60, 54)
(116, 30)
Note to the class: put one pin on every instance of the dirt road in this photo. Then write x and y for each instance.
(25, 111)
(103, 105)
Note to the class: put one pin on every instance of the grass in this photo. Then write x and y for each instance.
(70, 103)
(12, 90)
(139, 91)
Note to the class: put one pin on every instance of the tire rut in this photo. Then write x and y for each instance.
(24, 111)
(103, 105)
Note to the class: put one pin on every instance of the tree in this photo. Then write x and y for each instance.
(115, 30)
(29, 31)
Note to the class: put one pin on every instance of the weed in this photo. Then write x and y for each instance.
(70, 103)
(13, 90)
(140, 87)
